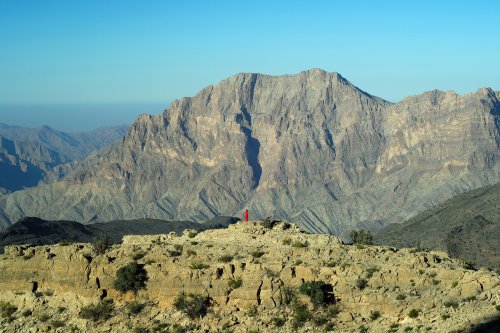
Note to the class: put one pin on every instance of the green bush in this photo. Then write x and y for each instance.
(138, 255)
(287, 241)
(198, 265)
(101, 244)
(370, 271)
(257, 254)
(64, 242)
(134, 307)
(401, 297)
(235, 283)
(27, 313)
(7, 309)
(57, 323)
(320, 293)
(192, 234)
(470, 298)
(363, 329)
(454, 284)
(374, 315)
(333, 311)
(451, 304)
(299, 244)
(130, 277)
(141, 329)
(226, 258)
(413, 313)
(300, 315)
(361, 283)
(287, 295)
(278, 321)
(361, 237)
(194, 306)
(445, 316)
(103, 310)
(44, 317)
(319, 320)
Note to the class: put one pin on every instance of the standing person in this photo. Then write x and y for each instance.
(245, 215)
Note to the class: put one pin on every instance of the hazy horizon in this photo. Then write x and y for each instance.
(76, 117)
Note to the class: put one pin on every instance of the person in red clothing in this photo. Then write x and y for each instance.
(245, 215)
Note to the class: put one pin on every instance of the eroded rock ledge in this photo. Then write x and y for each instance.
(269, 262)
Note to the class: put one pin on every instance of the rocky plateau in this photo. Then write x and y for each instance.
(252, 274)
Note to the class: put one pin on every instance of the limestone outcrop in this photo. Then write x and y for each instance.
(252, 275)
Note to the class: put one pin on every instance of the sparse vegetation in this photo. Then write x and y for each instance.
(370, 271)
(299, 244)
(257, 254)
(28, 256)
(298, 262)
(498, 308)
(198, 265)
(408, 329)
(194, 306)
(470, 299)
(454, 284)
(287, 241)
(57, 323)
(27, 313)
(361, 283)
(300, 315)
(401, 297)
(333, 310)
(44, 317)
(319, 292)
(100, 311)
(413, 313)
(235, 283)
(330, 263)
(445, 316)
(192, 234)
(278, 321)
(435, 282)
(134, 307)
(138, 255)
(361, 237)
(363, 329)
(319, 320)
(191, 253)
(468, 265)
(252, 311)
(141, 329)
(131, 277)
(451, 304)
(226, 258)
(374, 315)
(7, 309)
(64, 242)
(101, 244)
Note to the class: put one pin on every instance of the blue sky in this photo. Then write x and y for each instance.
(130, 57)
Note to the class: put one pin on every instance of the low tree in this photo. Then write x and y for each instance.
(130, 277)
(361, 237)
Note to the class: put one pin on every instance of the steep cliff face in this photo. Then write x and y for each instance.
(22, 164)
(309, 147)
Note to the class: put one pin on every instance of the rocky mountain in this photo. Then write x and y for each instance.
(74, 146)
(23, 164)
(246, 278)
(26, 154)
(466, 226)
(311, 148)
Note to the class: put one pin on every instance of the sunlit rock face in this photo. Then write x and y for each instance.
(311, 148)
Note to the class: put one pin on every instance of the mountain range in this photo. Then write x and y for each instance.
(466, 226)
(310, 148)
(26, 154)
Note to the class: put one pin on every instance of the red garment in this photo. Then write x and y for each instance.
(245, 215)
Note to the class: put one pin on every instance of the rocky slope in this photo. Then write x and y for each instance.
(252, 276)
(311, 148)
(32, 230)
(466, 226)
(23, 164)
(74, 146)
